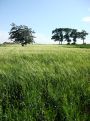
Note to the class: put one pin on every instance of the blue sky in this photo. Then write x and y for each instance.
(43, 16)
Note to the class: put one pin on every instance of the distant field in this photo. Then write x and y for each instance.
(44, 83)
(79, 46)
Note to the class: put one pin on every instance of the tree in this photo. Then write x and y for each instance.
(21, 34)
(74, 34)
(58, 35)
(67, 35)
(82, 35)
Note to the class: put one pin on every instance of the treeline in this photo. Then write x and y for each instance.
(69, 35)
(24, 35)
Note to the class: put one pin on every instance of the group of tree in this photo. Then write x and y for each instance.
(69, 35)
(21, 34)
(24, 35)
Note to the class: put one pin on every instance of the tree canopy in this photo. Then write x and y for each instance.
(21, 34)
(68, 34)
(83, 35)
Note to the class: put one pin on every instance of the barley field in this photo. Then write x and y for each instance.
(44, 83)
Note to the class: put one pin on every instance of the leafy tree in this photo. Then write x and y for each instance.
(58, 35)
(83, 35)
(67, 35)
(21, 34)
(74, 34)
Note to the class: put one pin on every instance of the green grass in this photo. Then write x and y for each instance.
(78, 46)
(44, 83)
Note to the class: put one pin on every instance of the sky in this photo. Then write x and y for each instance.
(43, 16)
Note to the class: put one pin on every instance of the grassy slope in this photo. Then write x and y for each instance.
(44, 83)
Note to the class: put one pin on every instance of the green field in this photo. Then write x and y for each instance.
(44, 83)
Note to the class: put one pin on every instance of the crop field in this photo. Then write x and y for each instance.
(44, 83)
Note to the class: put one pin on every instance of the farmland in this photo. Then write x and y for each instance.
(44, 83)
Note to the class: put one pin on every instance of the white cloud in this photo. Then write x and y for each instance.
(86, 19)
(3, 36)
(43, 39)
(40, 38)
(88, 38)
(89, 9)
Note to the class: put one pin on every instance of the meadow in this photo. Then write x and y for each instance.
(44, 83)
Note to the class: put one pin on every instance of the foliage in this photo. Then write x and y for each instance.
(83, 35)
(44, 83)
(59, 34)
(74, 34)
(67, 34)
(21, 34)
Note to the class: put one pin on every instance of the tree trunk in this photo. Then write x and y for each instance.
(83, 41)
(59, 42)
